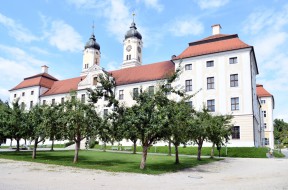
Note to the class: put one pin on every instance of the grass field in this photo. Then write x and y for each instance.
(238, 152)
(109, 161)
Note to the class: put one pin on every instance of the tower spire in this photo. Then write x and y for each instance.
(133, 14)
(93, 27)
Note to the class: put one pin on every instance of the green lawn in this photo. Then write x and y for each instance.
(239, 152)
(113, 162)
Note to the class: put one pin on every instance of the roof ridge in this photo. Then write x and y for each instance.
(140, 66)
(208, 39)
(46, 75)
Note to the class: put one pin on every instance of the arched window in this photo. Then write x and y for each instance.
(95, 81)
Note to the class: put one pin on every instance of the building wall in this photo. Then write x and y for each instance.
(267, 106)
(27, 97)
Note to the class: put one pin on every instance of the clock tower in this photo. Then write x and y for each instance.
(132, 52)
(91, 54)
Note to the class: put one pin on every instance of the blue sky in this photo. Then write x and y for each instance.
(52, 32)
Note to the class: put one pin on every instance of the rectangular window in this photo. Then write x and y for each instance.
(151, 90)
(188, 85)
(22, 105)
(264, 113)
(23, 93)
(62, 100)
(168, 88)
(234, 80)
(14, 95)
(265, 125)
(211, 105)
(135, 93)
(266, 141)
(105, 113)
(233, 60)
(210, 64)
(188, 67)
(31, 104)
(53, 102)
(32, 92)
(44, 102)
(121, 94)
(236, 132)
(263, 101)
(234, 104)
(105, 93)
(210, 83)
(189, 103)
(83, 98)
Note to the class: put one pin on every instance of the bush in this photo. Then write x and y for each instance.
(92, 143)
(69, 143)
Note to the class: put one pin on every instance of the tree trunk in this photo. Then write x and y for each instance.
(199, 151)
(11, 143)
(52, 146)
(35, 149)
(169, 148)
(212, 151)
(144, 156)
(77, 147)
(176, 155)
(104, 147)
(18, 145)
(134, 146)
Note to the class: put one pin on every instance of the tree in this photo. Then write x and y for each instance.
(80, 122)
(198, 126)
(149, 119)
(36, 125)
(219, 131)
(178, 114)
(281, 131)
(52, 120)
(16, 123)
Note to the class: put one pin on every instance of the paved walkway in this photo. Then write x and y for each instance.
(231, 173)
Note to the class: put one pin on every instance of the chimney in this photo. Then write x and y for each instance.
(44, 69)
(216, 29)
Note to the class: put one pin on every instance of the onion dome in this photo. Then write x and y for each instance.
(92, 43)
(133, 32)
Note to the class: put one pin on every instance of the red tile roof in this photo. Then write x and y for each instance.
(150, 72)
(42, 79)
(261, 91)
(213, 44)
(64, 86)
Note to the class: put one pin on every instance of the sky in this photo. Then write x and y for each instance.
(53, 33)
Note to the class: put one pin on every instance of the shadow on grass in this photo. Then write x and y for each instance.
(113, 162)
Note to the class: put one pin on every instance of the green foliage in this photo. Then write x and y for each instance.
(112, 162)
(281, 131)
(68, 143)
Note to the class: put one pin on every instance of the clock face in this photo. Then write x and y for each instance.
(139, 49)
(128, 48)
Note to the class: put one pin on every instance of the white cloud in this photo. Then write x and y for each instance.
(20, 56)
(16, 30)
(113, 65)
(182, 27)
(4, 94)
(267, 28)
(209, 4)
(64, 37)
(154, 4)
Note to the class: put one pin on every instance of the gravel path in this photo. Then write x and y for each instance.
(231, 173)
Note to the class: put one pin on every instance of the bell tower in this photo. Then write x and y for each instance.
(132, 52)
(91, 54)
